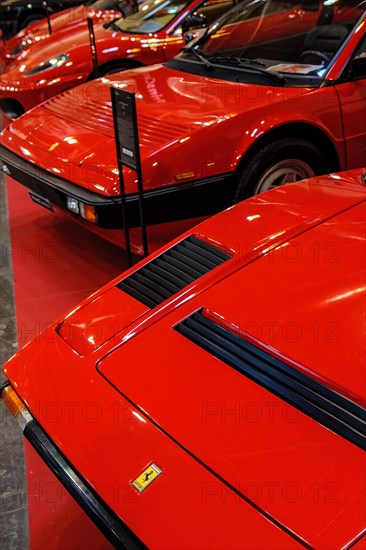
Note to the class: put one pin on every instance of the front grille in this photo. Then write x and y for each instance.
(172, 271)
(324, 405)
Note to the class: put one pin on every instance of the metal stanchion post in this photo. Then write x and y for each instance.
(48, 17)
(93, 47)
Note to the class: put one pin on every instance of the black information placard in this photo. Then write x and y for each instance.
(127, 128)
(128, 154)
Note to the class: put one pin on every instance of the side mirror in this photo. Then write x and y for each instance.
(124, 7)
(358, 67)
(194, 21)
(190, 37)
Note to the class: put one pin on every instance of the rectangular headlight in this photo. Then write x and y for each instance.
(73, 205)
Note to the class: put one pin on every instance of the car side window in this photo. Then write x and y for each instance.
(213, 9)
(361, 50)
(264, 8)
(360, 53)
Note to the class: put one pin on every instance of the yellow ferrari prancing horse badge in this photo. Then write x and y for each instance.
(147, 477)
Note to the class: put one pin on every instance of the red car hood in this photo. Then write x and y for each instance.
(279, 292)
(62, 23)
(160, 93)
(64, 41)
(295, 309)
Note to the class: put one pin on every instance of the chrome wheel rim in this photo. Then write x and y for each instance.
(285, 171)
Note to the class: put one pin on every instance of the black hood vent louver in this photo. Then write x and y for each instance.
(326, 406)
(172, 271)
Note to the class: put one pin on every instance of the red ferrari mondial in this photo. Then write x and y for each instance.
(62, 60)
(275, 92)
(67, 21)
(235, 359)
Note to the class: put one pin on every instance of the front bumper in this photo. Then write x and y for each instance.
(56, 190)
(166, 204)
(112, 527)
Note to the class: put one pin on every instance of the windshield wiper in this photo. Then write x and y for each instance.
(199, 56)
(251, 64)
(113, 25)
(239, 60)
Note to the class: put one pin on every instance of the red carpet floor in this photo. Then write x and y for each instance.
(56, 264)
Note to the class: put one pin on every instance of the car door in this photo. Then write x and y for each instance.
(352, 98)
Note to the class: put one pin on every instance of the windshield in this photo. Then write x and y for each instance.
(153, 16)
(281, 36)
(102, 4)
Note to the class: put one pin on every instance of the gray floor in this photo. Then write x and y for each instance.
(13, 496)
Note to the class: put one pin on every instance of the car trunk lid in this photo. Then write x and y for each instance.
(282, 458)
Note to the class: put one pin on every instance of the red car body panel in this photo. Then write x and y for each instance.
(225, 400)
(210, 127)
(135, 49)
(209, 110)
(175, 115)
(254, 472)
(209, 103)
(63, 22)
(143, 49)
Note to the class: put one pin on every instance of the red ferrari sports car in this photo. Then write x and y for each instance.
(230, 412)
(264, 98)
(62, 60)
(65, 22)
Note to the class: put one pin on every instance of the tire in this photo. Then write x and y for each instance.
(12, 108)
(111, 69)
(283, 161)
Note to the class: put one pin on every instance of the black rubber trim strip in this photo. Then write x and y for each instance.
(3, 386)
(180, 201)
(326, 406)
(157, 281)
(25, 172)
(362, 538)
(118, 534)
